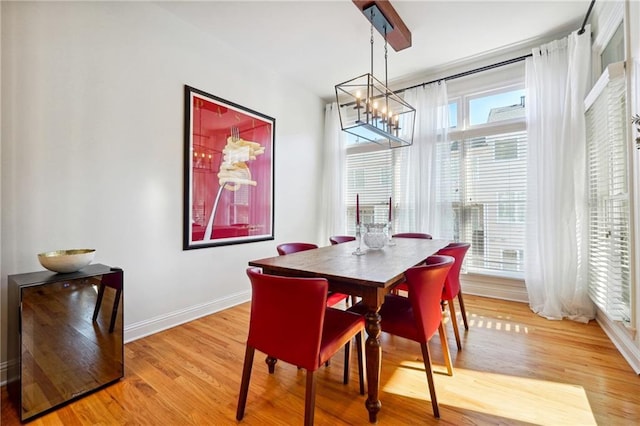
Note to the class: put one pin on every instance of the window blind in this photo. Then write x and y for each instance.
(609, 212)
(488, 180)
(374, 176)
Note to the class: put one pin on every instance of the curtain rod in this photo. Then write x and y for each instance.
(586, 17)
(487, 67)
(462, 74)
(466, 73)
(492, 66)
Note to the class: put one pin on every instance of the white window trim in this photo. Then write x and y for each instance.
(611, 16)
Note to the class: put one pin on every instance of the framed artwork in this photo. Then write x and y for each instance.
(228, 172)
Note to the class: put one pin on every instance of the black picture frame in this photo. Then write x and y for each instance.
(228, 172)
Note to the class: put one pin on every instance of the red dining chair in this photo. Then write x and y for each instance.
(339, 239)
(420, 235)
(413, 235)
(288, 248)
(319, 331)
(418, 316)
(333, 298)
(452, 286)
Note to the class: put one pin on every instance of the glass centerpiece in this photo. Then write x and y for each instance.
(375, 236)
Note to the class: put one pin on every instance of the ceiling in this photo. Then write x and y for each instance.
(323, 43)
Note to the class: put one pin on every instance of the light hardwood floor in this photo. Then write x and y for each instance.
(515, 369)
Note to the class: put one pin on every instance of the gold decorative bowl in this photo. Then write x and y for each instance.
(66, 261)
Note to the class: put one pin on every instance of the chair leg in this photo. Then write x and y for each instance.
(426, 357)
(271, 363)
(454, 322)
(360, 351)
(114, 311)
(445, 349)
(98, 301)
(244, 385)
(463, 311)
(347, 353)
(310, 399)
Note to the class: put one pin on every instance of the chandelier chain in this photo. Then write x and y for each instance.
(386, 80)
(371, 40)
(379, 116)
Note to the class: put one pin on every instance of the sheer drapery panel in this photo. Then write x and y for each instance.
(333, 176)
(557, 201)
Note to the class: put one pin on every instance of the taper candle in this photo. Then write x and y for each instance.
(357, 209)
(389, 209)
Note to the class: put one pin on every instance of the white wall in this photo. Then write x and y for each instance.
(92, 125)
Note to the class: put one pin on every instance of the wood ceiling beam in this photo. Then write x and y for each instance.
(400, 37)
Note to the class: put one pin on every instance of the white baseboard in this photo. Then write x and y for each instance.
(163, 322)
(494, 287)
(622, 338)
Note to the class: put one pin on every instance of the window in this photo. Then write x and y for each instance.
(506, 149)
(490, 201)
(488, 157)
(373, 174)
(609, 210)
(453, 115)
(511, 207)
(496, 107)
(614, 50)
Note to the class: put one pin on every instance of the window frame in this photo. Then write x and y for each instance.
(489, 83)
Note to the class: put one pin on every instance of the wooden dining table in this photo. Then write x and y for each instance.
(370, 276)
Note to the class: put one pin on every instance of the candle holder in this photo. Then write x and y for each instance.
(358, 251)
(358, 107)
(390, 240)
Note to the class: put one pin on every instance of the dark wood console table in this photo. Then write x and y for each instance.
(61, 345)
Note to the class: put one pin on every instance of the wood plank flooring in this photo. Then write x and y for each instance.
(515, 369)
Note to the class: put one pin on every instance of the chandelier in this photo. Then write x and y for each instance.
(368, 109)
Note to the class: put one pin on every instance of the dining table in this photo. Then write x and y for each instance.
(369, 276)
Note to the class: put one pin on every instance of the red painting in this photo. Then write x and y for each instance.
(228, 172)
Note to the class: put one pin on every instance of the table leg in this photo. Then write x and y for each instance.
(373, 353)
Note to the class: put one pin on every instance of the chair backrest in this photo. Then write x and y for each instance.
(288, 248)
(452, 283)
(413, 235)
(338, 239)
(425, 284)
(287, 317)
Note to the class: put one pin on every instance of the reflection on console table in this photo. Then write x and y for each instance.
(63, 340)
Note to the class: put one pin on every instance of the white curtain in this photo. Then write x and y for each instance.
(556, 231)
(425, 199)
(333, 182)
